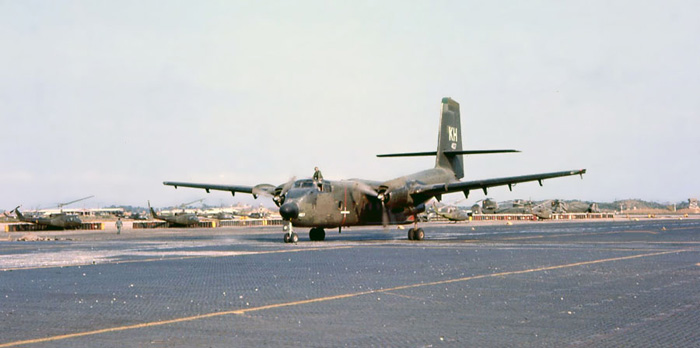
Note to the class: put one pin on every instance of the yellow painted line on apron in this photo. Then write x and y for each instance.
(324, 299)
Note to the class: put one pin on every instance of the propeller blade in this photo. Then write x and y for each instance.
(366, 189)
(264, 190)
(288, 185)
(385, 215)
(280, 192)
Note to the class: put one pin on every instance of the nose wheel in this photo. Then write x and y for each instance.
(290, 236)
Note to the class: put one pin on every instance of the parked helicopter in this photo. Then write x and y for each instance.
(452, 213)
(178, 219)
(59, 220)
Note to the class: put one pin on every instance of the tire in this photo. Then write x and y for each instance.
(295, 238)
(411, 234)
(317, 234)
(418, 234)
(287, 239)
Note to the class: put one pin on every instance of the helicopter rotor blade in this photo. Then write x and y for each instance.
(61, 205)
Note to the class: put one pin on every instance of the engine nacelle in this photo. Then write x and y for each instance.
(414, 210)
(398, 198)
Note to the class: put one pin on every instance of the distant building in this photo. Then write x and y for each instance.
(692, 203)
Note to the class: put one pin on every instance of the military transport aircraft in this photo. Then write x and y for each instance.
(178, 219)
(56, 221)
(335, 204)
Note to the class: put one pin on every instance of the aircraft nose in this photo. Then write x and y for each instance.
(289, 211)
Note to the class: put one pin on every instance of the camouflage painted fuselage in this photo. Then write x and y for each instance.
(56, 221)
(179, 219)
(343, 203)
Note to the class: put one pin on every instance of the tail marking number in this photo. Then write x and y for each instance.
(453, 135)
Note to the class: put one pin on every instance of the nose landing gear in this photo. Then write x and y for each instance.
(290, 236)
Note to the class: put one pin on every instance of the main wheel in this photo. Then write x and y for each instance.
(287, 238)
(418, 234)
(317, 234)
(411, 234)
(295, 238)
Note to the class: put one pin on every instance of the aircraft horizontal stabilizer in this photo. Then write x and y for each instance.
(434, 153)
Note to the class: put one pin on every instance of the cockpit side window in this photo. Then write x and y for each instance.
(327, 187)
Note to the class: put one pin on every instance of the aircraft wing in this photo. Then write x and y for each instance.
(466, 186)
(254, 190)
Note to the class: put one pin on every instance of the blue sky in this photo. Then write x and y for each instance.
(110, 98)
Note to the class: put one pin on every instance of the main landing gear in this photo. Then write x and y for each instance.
(317, 234)
(416, 234)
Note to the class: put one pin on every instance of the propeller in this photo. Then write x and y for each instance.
(382, 196)
(280, 192)
(288, 185)
(263, 190)
(385, 214)
(365, 188)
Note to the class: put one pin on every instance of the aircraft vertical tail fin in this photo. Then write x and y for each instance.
(450, 139)
(449, 150)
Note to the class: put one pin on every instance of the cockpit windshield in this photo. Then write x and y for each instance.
(308, 183)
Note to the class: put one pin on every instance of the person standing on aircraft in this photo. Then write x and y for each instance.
(119, 225)
(318, 178)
